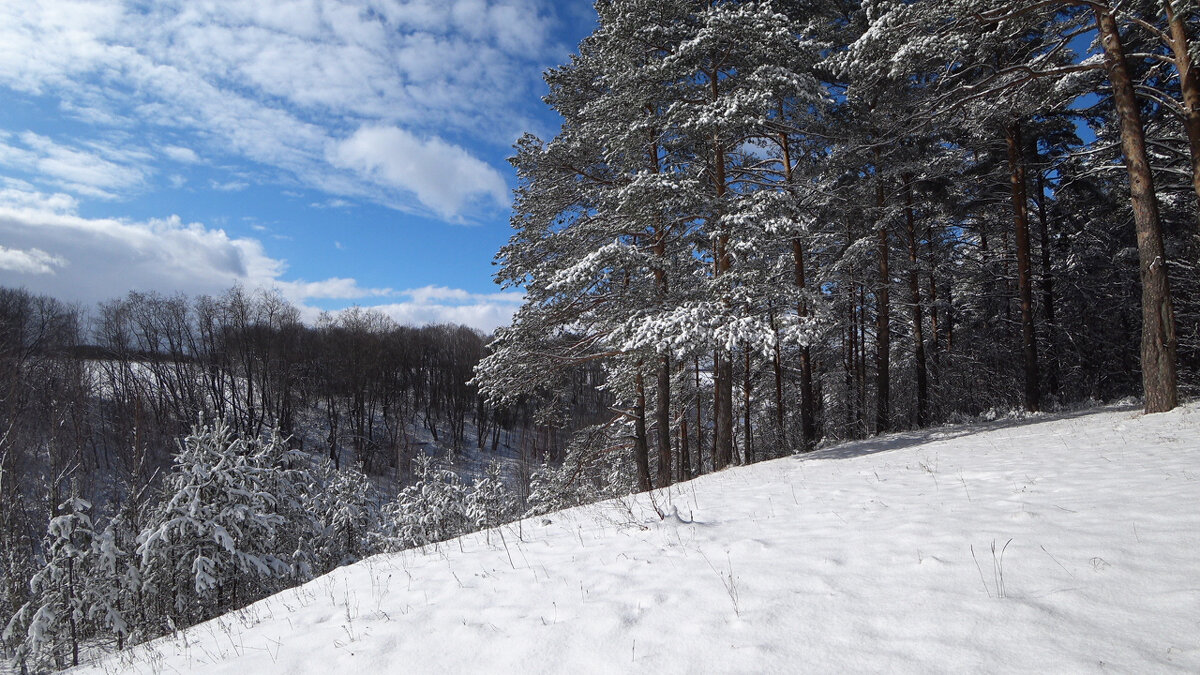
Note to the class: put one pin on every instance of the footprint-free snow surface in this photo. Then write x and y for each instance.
(1065, 543)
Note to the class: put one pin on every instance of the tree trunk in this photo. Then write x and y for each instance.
(934, 325)
(849, 351)
(1047, 286)
(1020, 200)
(699, 421)
(663, 388)
(807, 419)
(1158, 315)
(641, 448)
(723, 409)
(777, 367)
(806, 393)
(723, 375)
(1189, 88)
(685, 459)
(883, 339)
(662, 419)
(914, 287)
(749, 452)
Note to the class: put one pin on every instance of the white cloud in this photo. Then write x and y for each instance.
(439, 304)
(181, 154)
(275, 82)
(230, 186)
(332, 204)
(336, 288)
(485, 316)
(426, 294)
(51, 249)
(443, 177)
(98, 171)
(102, 258)
(33, 261)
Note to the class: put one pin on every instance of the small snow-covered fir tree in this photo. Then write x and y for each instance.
(490, 502)
(53, 619)
(219, 535)
(346, 507)
(599, 464)
(430, 510)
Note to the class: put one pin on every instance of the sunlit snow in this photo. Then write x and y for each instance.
(1057, 543)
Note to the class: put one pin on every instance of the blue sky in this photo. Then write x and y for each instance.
(343, 152)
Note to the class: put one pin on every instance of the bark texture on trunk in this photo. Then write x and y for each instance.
(1189, 88)
(1020, 200)
(918, 319)
(1158, 315)
(685, 456)
(1048, 287)
(699, 421)
(662, 420)
(807, 425)
(641, 446)
(749, 450)
(723, 375)
(883, 327)
(807, 416)
(662, 413)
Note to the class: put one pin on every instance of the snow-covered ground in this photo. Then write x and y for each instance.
(1053, 544)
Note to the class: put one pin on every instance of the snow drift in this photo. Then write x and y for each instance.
(1054, 543)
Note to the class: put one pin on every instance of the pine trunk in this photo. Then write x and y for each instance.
(883, 328)
(806, 390)
(685, 458)
(723, 376)
(662, 420)
(1047, 286)
(699, 421)
(641, 448)
(749, 450)
(1020, 200)
(914, 287)
(1189, 88)
(807, 421)
(1158, 315)
(663, 386)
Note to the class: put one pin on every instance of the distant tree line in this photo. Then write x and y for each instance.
(163, 459)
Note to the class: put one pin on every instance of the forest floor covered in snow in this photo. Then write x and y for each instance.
(1054, 543)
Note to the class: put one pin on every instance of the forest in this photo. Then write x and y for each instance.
(762, 227)
(777, 224)
(166, 459)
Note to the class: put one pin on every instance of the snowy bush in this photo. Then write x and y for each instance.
(78, 592)
(490, 502)
(346, 508)
(222, 534)
(598, 465)
(430, 510)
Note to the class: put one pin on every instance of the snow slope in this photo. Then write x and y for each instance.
(870, 556)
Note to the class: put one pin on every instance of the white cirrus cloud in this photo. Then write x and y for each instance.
(276, 82)
(181, 154)
(96, 170)
(426, 294)
(443, 177)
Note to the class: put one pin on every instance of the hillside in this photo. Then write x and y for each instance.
(1055, 543)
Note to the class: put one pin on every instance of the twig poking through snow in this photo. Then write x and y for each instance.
(981, 579)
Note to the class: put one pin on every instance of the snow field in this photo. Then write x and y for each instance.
(870, 556)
